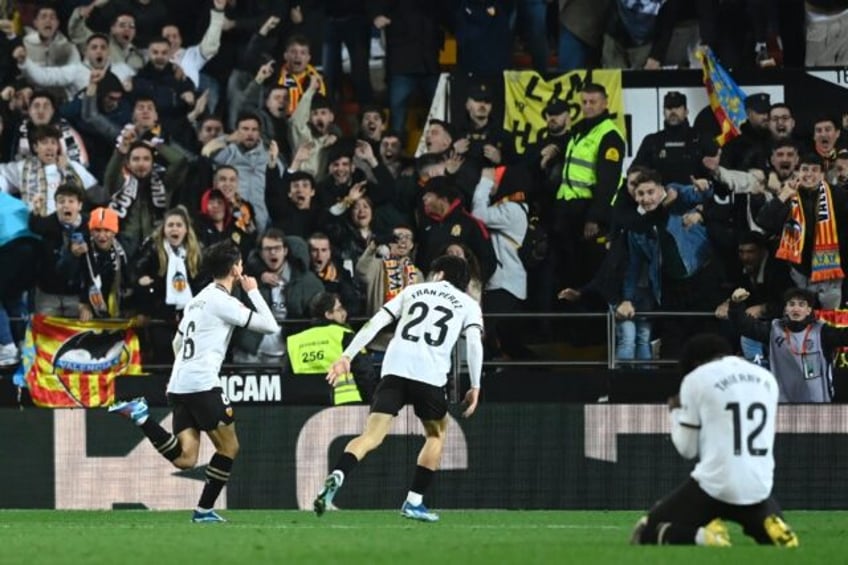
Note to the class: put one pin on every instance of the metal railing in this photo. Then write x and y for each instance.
(611, 362)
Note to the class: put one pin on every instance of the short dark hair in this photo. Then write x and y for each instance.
(225, 167)
(41, 133)
(811, 158)
(41, 6)
(216, 194)
(158, 39)
(753, 238)
(371, 109)
(300, 175)
(827, 117)
(144, 98)
(785, 142)
(318, 235)
(140, 144)
(322, 303)
(213, 117)
(594, 88)
(649, 175)
(297, 39)
(272, 233)
(778, 105)
(445, 125)
(96, 35)
(218, 259)
(44, 94)
(244, 116)
(428, 160)
(70, 189)
(119, 14)
(796, 292)
(641, 169)
(700, 349)
(455, 270)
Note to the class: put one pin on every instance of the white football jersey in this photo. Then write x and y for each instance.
(208, 321)
(431, 316)
(734, 403)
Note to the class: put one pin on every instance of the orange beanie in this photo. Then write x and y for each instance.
(104, 219)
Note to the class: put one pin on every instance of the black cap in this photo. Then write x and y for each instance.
(217, 194)
(555, 107)
(759, 102)
(480, 92)
(811, 158)
(320, 101)
(842, 154)
(674, 99)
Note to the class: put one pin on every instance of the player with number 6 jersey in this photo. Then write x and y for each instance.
(430, 317)
(194, 391)
(726, 416)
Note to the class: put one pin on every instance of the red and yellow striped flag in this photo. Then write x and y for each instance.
(75, 363)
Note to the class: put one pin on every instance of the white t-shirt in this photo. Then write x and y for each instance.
(734, 402)
(208, 322)
(431, 317)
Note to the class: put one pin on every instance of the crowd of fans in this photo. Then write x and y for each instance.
(135, 133)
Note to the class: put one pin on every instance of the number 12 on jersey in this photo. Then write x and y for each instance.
(755, 416)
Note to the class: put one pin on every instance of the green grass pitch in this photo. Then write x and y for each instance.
(353, 537)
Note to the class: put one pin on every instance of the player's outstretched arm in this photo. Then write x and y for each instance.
(362, 338)
(474, 354)
(338, 369)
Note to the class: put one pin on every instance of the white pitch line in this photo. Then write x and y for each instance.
(230, 525)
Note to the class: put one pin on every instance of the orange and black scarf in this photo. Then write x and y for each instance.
(826, 263)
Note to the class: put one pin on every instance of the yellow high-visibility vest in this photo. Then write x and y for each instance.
(314, 350)
(578, 172)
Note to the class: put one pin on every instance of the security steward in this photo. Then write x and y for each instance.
(590, 176)
(674, 152)
(312, 351)
(488, 144)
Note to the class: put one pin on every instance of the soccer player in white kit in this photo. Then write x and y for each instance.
(194, 390)
(431, 317)
(725, 415)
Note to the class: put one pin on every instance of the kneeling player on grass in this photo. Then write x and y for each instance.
(194, 392)
(725, 414)
(431, 317)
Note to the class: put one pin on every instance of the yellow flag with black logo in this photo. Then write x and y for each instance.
(526, 94)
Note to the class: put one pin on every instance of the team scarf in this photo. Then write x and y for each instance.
(177, 289)
(826, 264)
(115, 259)
(35, 188)
(70, 143)
(329, 273)
(297, 85)
(397, 275)
(126, 196)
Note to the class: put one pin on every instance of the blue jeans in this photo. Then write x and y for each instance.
(5, 328)
(15, 308)
(401, 87)
(210, 84)
(572, 53)
(530, 19)
(633, 339)
(355, 33)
